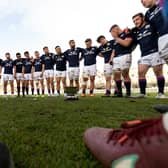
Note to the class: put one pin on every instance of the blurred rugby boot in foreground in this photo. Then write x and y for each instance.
(137, 144)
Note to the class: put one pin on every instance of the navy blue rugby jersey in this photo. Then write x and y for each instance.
(73, 56)
(60, 61)
(147, 38)
(157, 20)
(8, 66)
(89, 55)
(48, 61)
(106, 50)
(18, 63)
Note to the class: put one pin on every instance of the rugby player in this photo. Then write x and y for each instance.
(61, 69)
(28, 73)
(73, 57)
(18, 70)
(155, 16)
(121, 59)
(48, 70)
(105, 50)
(89, 55)
(38, 73)
(146, 36)
(7, 64)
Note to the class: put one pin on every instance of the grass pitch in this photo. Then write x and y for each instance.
(47, 132)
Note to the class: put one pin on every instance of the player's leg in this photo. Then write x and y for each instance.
(118, 81)
(48, 85)
(23, 87)
(18, 82)
(58, 80)
(52, 85)
(158, 70)
(77, 84)
(63, 79)
(127, 81)
(11, 82)
(42, 86)
(142, 70)
(37, 83)
(32, 86)
(5, 83)
(85, 81)
(92, 74)
(84, 86)
(92, 85)
(108, 74)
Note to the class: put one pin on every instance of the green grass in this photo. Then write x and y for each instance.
(47, 132)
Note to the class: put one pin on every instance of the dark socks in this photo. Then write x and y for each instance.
(128, 87)
(58, 91)
(91, 91)
(119, 86)
(84, 91)
(161, 84)
(27, 90)
(23, 90)
(142, 85)
(38, 91)
(18, 91)
(32, 91)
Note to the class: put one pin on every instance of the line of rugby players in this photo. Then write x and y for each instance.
(117, 54)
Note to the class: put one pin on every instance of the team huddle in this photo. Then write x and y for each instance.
(150, 33)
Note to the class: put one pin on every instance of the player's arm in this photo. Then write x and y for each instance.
(32, 71)
(126, 42)
(112, 57)
(23, 71)
(81, 54)
(14, 67)
(43, 69)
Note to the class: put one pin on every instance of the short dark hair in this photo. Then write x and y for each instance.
(138, 14)
(26, 52)
(113, 26)
(45, 47)
(7, 53)
(18, 54)
(99, 38)
(57, 47)
(36, 51)
(88, 40)
(70, 41)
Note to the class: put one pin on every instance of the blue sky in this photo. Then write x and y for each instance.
(29, 25)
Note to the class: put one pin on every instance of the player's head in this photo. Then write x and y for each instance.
(37, 54)
(46, 50)
(7, 55)
(138, 19)
(18, 55)
(88, 43)
(72, 43)
(26, 54)
(102, 40)
(148, 3)
(58, 50)
(115, 30)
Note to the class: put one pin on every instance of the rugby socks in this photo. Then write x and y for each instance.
(142, 85)
(38, 91)
(53, 91)
(18, 91)
(23, 91)
(128, 87)
(42, 92)
(119, 87)
(58, 91)
(27, 90)
(32, 91)
(91, 91)
(161, 84)
(84, 91)
(5, 93)
(49, 92)
(108, 92)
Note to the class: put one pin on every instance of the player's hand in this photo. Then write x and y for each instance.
(15, 76)
(111, 62)
(126, 30)
(0, 76)
(23, 76)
